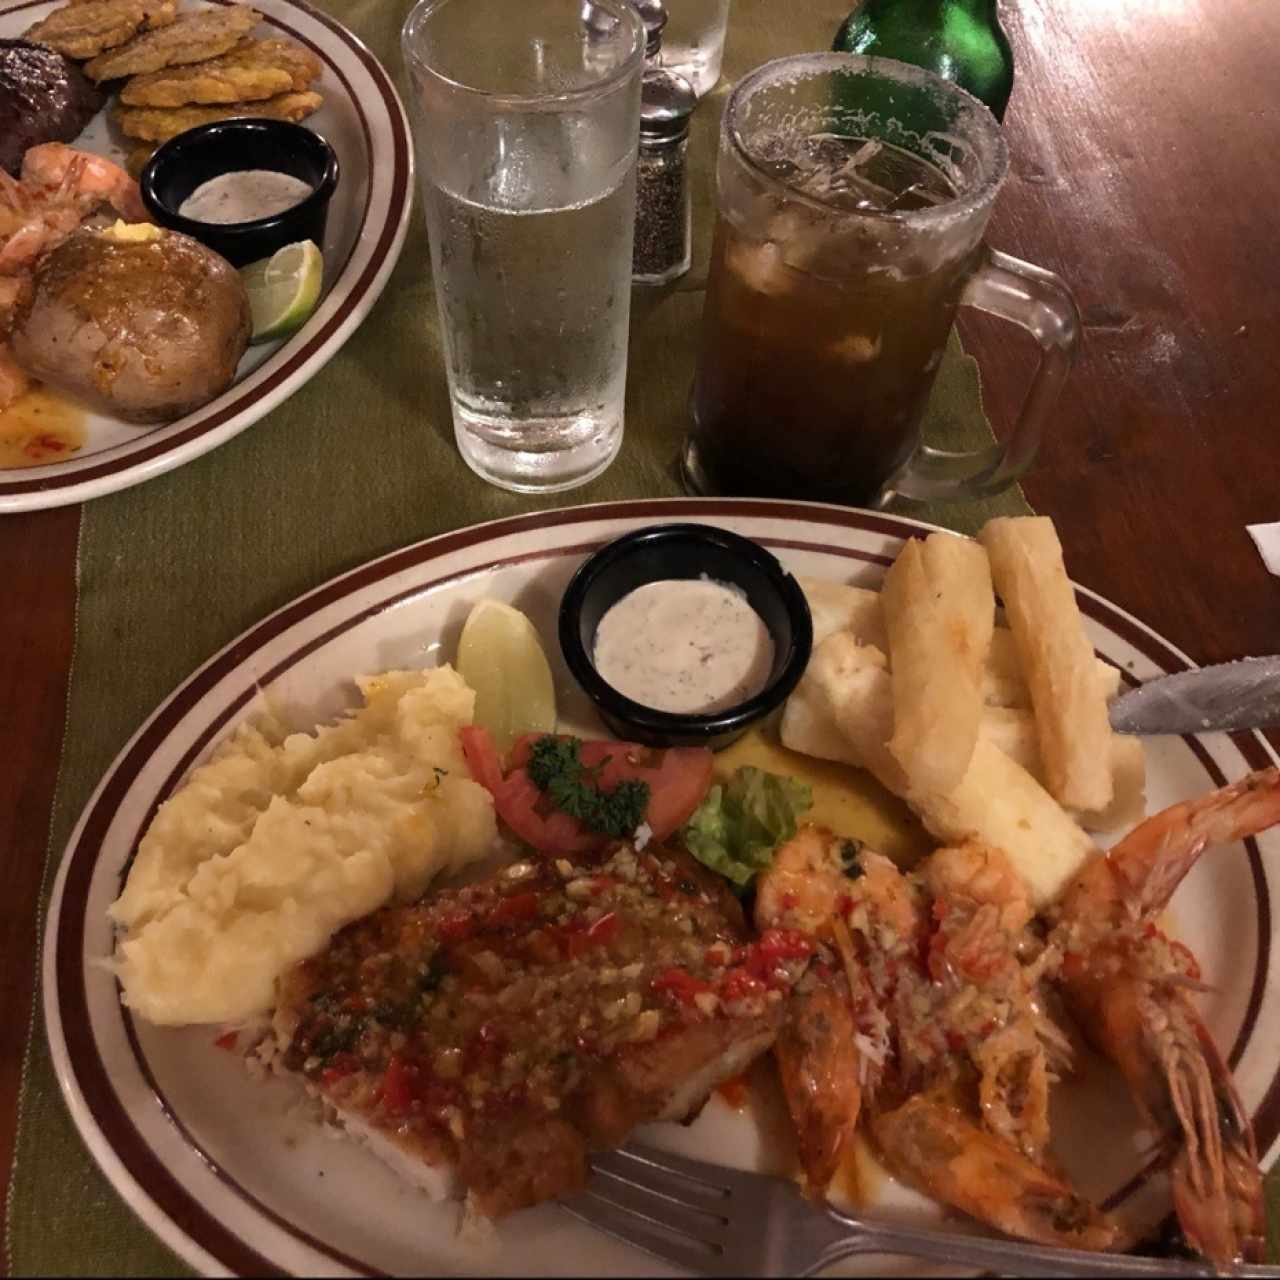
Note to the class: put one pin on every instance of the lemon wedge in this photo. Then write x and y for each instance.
(501, 658)
(284, 289)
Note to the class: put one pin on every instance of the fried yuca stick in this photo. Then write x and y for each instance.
(1003, 682)
(1057, 659)
(1001, 804)
(808, 726)
(844, 673)
(1013, 730)
(839, 606)
(939, 612)
(996, 801)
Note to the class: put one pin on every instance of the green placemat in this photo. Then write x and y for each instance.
(358, 462)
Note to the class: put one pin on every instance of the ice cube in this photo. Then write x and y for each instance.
(856, 348)
(830, 171)
(759, 265)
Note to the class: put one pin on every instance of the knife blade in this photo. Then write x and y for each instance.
(1226, 698)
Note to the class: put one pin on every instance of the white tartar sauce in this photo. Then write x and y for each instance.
(686, 645)
(244, 195)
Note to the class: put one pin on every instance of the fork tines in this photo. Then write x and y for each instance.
(671, 1206)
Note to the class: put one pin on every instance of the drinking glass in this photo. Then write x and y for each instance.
(693, 41)
(527, 120)
(853, 194)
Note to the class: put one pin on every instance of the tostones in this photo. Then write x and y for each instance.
(89, 27)
(159, 124)
(193, 37)
(252, 71)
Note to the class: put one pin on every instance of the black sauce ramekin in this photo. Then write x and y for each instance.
(189, 159)
(685, 551)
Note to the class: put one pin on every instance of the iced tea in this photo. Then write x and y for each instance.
(822, 333)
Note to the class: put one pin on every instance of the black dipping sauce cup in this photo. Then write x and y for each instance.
(671, 551)
(190, 159)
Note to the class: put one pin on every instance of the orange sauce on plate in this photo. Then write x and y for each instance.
(40, 427)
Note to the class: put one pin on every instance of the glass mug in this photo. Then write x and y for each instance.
(853, 194)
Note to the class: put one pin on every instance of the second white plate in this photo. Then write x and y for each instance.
(364, 121)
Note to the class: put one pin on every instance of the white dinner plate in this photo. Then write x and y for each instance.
(230, 1174)
(364, 121)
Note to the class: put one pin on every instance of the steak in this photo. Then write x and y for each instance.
(499, 1032)
(44, 97)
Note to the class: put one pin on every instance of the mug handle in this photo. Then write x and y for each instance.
(1039, 302)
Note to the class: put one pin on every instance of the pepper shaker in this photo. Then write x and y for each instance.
(662, 239)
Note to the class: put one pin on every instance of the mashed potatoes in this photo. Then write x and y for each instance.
(279, 841)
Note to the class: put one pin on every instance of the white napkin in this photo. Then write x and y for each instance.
(1266, 538)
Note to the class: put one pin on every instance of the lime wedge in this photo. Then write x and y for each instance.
(501, 658)
(283, 289)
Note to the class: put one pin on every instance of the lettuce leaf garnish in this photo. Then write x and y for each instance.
(740, 823)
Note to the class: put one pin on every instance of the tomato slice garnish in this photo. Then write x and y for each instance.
(525, 809)
(677, 779)
(677, 788)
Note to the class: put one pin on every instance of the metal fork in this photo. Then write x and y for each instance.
(722, 1222)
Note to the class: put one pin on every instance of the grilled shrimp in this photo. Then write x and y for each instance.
(964, 1114)
(905, 1050)
(34, 217)
(58, 171)
(804, 884)
(934, 1144)
(819, 1064)
(820, 1068)
(1129, 986)
(990, 1002)
(835, 1045)
(59, 188)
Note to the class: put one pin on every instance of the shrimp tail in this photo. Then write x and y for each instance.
(933, 1145)
(1217, 1185)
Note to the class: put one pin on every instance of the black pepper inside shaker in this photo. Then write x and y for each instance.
(662, 240)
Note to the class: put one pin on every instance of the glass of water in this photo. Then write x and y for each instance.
(527, 121)
(693, 41)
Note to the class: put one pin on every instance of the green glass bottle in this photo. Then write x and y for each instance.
(960, 40)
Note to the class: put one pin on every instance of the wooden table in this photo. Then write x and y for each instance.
(1141, 134)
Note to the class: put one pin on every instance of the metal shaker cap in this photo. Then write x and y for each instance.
(667, 101)
(653, 13)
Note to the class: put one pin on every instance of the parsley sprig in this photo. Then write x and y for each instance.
(556, 768)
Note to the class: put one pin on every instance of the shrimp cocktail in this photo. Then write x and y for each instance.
(853, 197)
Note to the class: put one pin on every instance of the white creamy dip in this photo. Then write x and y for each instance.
(244, 196)
(684, 645)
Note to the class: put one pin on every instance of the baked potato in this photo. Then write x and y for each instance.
(142, 323)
